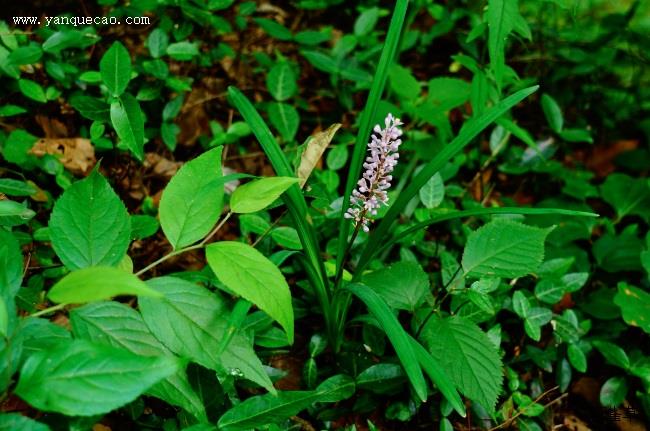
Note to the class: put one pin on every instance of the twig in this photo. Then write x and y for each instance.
(509, 421)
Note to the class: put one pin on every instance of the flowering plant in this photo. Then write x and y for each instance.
(371, 192)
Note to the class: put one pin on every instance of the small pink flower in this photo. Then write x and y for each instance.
(371, 192)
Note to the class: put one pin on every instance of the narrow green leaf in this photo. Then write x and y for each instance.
(32, 90)
(115, 68)
(80, 230)
(553, 113)
(16, 188)
(97, 283)
(258, 194)
(192, 201)
(395, 333)
(369, 112)
(263, 410)
(16, 421)
(84, 379)
(248, 273)
(438, 376)
(501, 16)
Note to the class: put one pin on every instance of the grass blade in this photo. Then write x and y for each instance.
(379, 82)
(293, 197)
(369, 253)
(467, 133)
(438, 376)
(395, 333)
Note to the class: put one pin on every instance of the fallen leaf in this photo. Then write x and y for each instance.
(76, 154)
(312, 150)
(161, 166)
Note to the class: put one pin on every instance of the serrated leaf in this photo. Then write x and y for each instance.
(281, 81)
(469, 357)
(258, 194)
(79, 229)
(115, 68)
(263, 410)
(192, 201)
(189, 321)
(403, 285)
(128, 122)
(84, 379)
(285, 119)
(97, 283)
(119, 325)
(504, 248)
(248, 273)
(432, 192)
(501, 16)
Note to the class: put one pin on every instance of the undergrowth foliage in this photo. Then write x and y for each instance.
(265, 283)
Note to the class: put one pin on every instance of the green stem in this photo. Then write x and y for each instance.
(183, 250)
(49, 310)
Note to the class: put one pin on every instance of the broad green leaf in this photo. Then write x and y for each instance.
(248, 273)
(366, 21)
(635, 305)
(402, 285)
(628, 196)
(97, 283)
(115, 68)
(262, 410)
(377, 378)
(89, 224)
(13, 213)
(549, 291)
(467, 354)
(337, 157)
(41, 334)
(553, 113)
(432, 192)
(274, 29)
(286, 237)
(504, 248)
(312, 150)
(520, 304)
(191, 321)
(183, 51)
(11, 110)
(258, 194)
(281, 81)
(403, 83)
(447, 93)
(613, 392)
(32, 90)
(84, 379)
(28, 54)
(91, 107)
(285, 119)
(501, 17)
(16, 421)
(119, 325)
(395, 333)
(157, 42)
(11, 187)
(612, 353)
(577, 358)
(617, 253)
(128, 122)
(192, 201)
(321, 61)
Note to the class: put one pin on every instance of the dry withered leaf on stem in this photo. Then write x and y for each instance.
(76, 154)
(313, 150)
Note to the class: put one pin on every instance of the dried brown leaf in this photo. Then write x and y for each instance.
(313, 150)
(76, 154)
